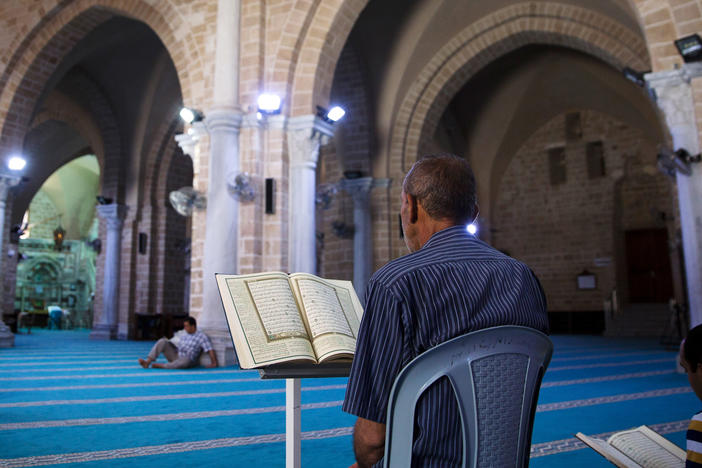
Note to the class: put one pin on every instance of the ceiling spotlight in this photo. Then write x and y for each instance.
(690, 47)
(268, 103)
(191, 115)
(330, 116)
(335, 113)
(16, 163)
(472, 228)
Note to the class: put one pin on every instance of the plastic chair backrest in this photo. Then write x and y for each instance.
(496, 374)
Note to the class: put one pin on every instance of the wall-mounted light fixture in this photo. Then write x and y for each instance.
(690, 47)
(268, 104)
(16, 163)
(191, 115)
(59, 234)
(332, 115)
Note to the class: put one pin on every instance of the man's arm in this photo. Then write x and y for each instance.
(368, 442)
(213, 359)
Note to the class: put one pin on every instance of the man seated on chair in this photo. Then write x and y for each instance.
(450, 284)
(186, 354)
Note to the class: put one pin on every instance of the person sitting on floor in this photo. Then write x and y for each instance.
(691, 361)
(186, 354)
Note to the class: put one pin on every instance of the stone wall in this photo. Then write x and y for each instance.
(561, 230)
(43, 217)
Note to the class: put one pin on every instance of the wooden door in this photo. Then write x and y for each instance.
(648, 264)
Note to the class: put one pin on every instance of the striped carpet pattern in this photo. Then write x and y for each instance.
(67, 400)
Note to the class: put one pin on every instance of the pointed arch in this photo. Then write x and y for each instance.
(55, 34)
(484, 41)
(308, 48)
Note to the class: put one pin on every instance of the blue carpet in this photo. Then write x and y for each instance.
(66, 400)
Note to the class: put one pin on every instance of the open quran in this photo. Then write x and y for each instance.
(275, 317)
(639, 447)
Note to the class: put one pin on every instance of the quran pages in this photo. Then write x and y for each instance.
(275, 317)
(639, 447)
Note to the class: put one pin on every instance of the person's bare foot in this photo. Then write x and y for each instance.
(144, 363)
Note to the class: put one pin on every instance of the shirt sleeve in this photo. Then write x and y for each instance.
(206, 343)
(378, 358)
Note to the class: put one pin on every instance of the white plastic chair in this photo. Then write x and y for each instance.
(496, 374)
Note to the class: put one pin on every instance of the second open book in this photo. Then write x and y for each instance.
(275, 317)
(635, 448)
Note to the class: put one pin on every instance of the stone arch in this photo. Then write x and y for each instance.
(40, 52)
(152, 219)
(96, 118)
(60, 107)
(46, 263)
(111, 174)
(480, 43)
(305, 73)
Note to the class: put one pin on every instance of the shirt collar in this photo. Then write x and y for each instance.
(448, 233)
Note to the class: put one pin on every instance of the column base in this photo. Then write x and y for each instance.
(223, 348)
(7, 339)
(102, 332)
(122, 332)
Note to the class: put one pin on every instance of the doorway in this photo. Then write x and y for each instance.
(649, 273)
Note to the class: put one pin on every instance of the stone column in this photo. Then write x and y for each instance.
(675, 99)
(221, 230)
(106, 326)
(305, 135)
(359, 189)
(222, 122)
(7, 181)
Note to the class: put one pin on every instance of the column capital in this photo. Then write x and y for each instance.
(674, 78)
(674, 98)
(224, 119)
(312, 126)
(187, 141)
(251, 120)
(359, 189)
(113, 214)
(306, 133)
(7, 181)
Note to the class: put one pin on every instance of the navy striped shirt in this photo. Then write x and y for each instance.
(694, 442)
(453, 285)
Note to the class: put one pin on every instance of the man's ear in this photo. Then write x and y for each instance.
(413, 208)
